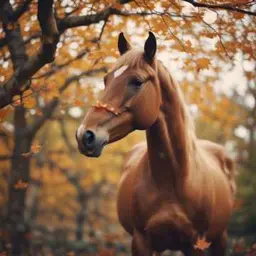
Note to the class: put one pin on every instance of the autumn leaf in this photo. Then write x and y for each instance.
(3, 253)
(4, 112)
(203, 63)
(35, 148)
(202, 244)
(238, 15)
(20, 185)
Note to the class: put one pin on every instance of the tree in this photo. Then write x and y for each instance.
(48, 49)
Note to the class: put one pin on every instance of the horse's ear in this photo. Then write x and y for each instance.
(123, 45)
(150, 47)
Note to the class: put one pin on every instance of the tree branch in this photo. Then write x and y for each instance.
(51, 106)
(5, 157)
(228, 7)
(50, 38)
(86, 20)
(20, 10)
(65, 137)
(55, 68)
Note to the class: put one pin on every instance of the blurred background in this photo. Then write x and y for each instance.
(54, 201)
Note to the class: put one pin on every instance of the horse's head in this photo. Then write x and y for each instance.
(130, 101)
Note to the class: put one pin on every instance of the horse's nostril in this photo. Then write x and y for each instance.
(88, 139)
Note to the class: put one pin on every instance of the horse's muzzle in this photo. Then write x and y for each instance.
(92, 143)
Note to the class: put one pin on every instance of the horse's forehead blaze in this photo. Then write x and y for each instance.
(120, 71)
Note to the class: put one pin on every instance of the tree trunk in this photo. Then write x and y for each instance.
(20, 171)
(20, 167)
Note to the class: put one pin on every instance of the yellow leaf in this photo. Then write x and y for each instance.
(29, 102)
(203, 63)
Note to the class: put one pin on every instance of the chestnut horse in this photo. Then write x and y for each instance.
(175, 187)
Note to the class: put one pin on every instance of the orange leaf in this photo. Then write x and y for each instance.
(203, 63)
(202, 244)
(21, 185)
(35, 148)
(29, 102)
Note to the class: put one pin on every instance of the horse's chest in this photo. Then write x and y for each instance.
(163, 219)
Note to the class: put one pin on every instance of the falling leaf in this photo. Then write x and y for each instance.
(35, 148)
(203, 63)
(202, 244)
(20, 185)
(238, 15)
(71, 253)
(28, 154)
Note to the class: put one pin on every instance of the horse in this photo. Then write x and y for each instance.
(175, 188)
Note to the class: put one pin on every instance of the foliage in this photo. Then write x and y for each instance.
(69, 199)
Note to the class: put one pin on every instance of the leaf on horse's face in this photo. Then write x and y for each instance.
(202, 244)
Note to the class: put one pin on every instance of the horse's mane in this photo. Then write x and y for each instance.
(134, 58)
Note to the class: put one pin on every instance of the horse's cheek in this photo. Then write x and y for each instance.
(146, 109)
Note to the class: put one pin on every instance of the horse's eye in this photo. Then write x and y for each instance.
(135, 82)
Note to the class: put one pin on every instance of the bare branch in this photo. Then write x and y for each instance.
(228, 7)
(51, 106)
(86, 20)
(5, 157)
(65, 136)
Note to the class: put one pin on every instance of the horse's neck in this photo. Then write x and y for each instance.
(168, 143)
